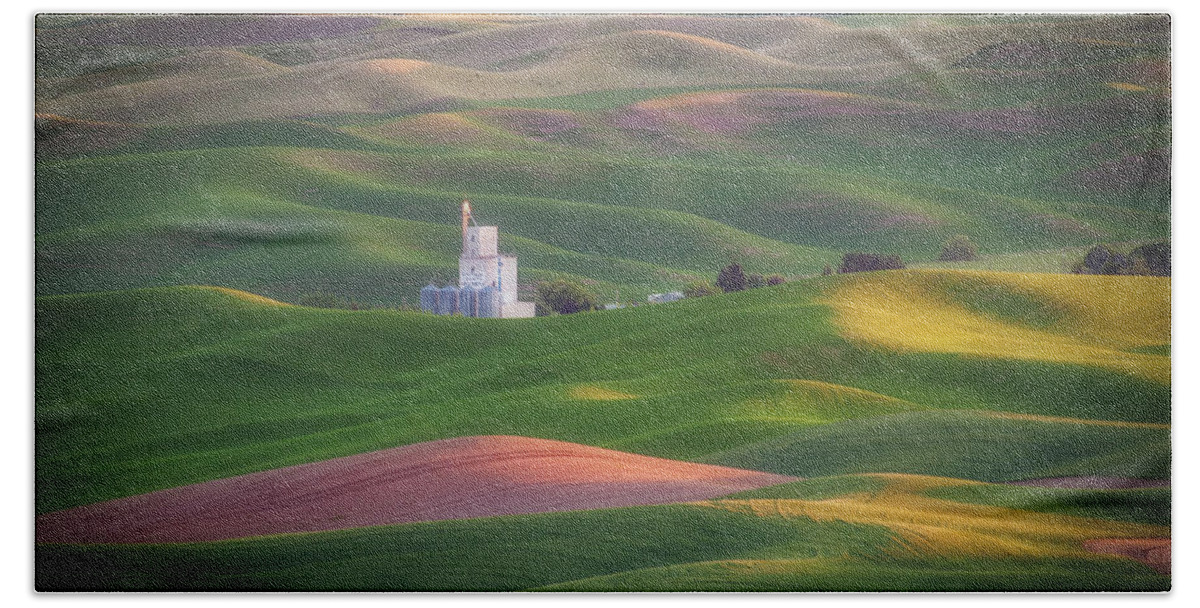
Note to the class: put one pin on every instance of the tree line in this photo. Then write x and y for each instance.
(1151, 259)
(561, 296)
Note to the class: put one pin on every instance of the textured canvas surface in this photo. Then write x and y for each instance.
(865, 302)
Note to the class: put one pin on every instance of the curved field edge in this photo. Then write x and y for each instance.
(240, 386)
(797, 550)
(967, 444)
(1147, 506)
(458, 478)
(1091, 320)
(217, 210)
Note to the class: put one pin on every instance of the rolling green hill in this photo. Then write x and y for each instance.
(773, 141)
(650, 225)
(894, 539)
(200, 177)
(239, 383)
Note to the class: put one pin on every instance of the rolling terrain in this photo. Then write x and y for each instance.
(744, 544)
(631, 153)
(456, 478)
(240, 384)
(235, 214)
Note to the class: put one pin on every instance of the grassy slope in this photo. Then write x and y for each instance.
(1149, 506)
(959, 444)
(209, 225)
(364, 225)
(149, 389)
(992, 145)
(893, 538)
(1091, 320)
(236, 385)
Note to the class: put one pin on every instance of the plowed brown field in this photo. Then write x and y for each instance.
(446, 479)
(1154, 552)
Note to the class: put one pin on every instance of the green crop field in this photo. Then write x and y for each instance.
(671, 547)
(234, 215)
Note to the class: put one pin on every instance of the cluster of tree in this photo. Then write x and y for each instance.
(563, 297)
(566, 297)
(731, 278)
(1152, 259)
(958, 248)
(867, 262)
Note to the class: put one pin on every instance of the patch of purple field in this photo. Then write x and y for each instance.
(805, 104)
(727, 119)
(634, 118)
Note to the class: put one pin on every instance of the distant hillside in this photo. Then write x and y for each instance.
(781, 142)
(235, 214)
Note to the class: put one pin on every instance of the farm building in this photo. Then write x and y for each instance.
(660, 298)
(487, 281)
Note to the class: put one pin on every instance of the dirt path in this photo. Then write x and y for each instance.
(446, 479)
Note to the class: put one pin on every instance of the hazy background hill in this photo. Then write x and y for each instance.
(285, 155)
(956, 428)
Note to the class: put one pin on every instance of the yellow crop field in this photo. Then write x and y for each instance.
(397, 66)
(1099, 318)
(591, 392)
(1119, 311)
(838, 393)
(931, 526)
(816, 402)
(1062, 419)
(249, 297)
(1126, 86)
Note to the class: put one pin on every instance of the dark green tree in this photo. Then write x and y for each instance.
(867, 262)
(755, 280)
(564, 297)
(1105, 259)
(1155, 258)
(731, 278)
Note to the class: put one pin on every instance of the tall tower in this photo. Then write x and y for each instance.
(479, 264)
(487, 281)
(466, 218)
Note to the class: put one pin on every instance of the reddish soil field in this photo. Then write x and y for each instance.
(1154, 552)
(447, 479)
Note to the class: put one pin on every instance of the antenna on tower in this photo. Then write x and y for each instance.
(466, 217)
